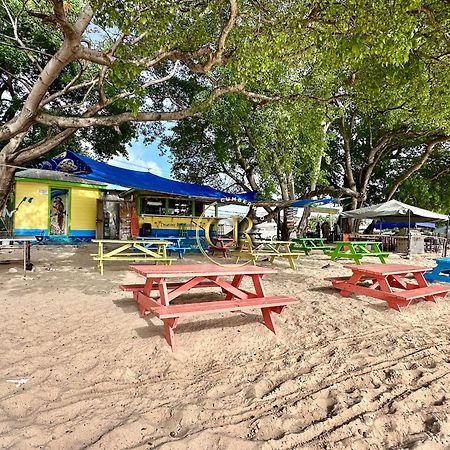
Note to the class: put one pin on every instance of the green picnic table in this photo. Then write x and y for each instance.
(307, 245)
(357, 250)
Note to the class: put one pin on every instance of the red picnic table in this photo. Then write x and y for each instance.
(221, 244)
(397, 284)
(202, 276)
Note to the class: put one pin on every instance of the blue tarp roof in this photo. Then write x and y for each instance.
(310, 202)
(90, 169)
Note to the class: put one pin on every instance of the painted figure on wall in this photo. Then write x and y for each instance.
(58, 214)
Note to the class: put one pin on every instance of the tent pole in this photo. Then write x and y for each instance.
(446, 240)
(409, 232)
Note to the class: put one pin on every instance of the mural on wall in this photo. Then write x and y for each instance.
(59, 199)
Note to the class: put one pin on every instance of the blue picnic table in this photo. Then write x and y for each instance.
(441, 272)
(176, 247)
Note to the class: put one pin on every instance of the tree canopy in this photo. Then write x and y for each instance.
(276, 81)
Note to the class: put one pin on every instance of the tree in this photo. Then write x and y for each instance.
(269, 150)
(426, 187)
(391, 112)
(95, 66)
(387, 92)
(131, 63)
(239, 147)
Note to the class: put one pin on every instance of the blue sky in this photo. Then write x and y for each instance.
(144, 158)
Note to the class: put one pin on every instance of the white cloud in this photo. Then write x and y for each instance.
(136, 163)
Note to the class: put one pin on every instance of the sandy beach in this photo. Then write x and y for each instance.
(342, 373)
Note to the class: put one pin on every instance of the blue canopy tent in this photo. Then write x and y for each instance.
(389, 225)
(88, 168)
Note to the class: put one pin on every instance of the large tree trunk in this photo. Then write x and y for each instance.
(304, 221)
(6, 184)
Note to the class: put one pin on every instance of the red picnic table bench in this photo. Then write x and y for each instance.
(202, 276)
(397, 284)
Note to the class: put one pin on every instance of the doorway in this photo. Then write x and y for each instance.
(59, 212)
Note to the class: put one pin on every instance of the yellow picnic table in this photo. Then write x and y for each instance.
(131, 250)
(266, 249)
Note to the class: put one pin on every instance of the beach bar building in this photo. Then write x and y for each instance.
(60, 206)
(72, 198)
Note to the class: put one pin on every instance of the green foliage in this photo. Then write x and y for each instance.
(376, 70)
(428, 188)
(233, 139)
(18, 71)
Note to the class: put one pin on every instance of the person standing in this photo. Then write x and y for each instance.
(336, 231)
(326, 230)
(318, 229)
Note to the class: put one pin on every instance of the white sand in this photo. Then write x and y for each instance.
(342, 373)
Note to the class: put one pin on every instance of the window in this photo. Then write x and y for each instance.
(180, 207)
(152, 206)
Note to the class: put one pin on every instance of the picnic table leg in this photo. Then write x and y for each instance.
(163, 293)
(422, 282)
(354, 279)
(333, 255)
(268, 319)
(393, 305)
(100, 254)
(235, 283)
(257, 283)
(291, 262)
(169, 326)
(386, 287)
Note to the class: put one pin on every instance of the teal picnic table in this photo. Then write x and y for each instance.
(357, 250)
(307, 245)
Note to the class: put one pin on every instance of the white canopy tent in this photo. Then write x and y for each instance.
(395, 211)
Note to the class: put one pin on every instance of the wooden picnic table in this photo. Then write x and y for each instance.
(397, 284)
(131, 250)
(441, 272)
(307, 245)
(357, 250)
(23, 242)
(222, 245)
(267, 249)
(160, 280)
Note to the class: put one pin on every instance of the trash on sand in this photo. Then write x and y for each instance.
(19, 382)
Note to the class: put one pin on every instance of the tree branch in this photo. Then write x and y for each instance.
(415, 167)
(83, 122)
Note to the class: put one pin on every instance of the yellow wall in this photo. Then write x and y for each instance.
(83, 208)
(35, 214)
